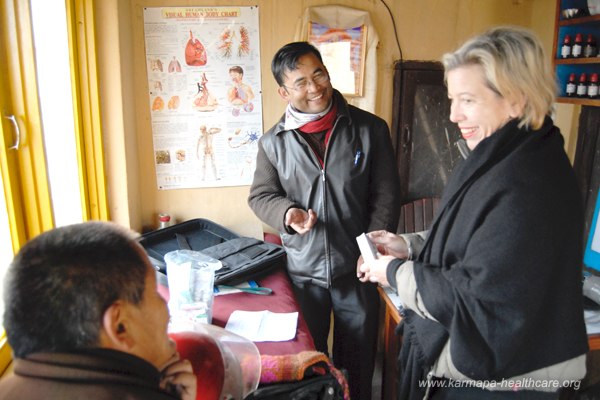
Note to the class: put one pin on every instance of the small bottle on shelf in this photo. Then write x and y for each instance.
(577, 49)
(592, 90)
(571, 88)
(565, 50)
(164, 220)
(582, 86)
(590, 49)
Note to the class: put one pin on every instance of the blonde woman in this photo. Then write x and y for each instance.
(492, 296)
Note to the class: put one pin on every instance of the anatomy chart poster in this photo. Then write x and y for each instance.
(203, 66)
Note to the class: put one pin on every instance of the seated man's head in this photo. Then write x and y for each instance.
(83, 286)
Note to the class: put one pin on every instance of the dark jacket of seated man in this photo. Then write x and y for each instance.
(85, 320)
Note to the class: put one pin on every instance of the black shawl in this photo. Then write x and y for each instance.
(501, 267)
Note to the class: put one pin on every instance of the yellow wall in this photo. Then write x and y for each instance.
(426, 29)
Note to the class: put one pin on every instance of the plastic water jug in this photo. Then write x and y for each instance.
(191, 278)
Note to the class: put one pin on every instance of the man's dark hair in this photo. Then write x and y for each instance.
(286, 58)
(61, 282)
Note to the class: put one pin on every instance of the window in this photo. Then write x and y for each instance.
(34, 200)
(56, 104)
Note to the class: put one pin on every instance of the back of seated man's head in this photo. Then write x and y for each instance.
(61, 283)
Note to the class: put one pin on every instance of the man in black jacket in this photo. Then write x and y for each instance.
(85, 320)
(326, 173)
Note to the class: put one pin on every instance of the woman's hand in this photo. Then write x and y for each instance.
(376, 270)
(177, 377)
(389, 243)
(359, 274)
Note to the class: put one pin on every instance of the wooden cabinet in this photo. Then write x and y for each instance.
(423, 135)
(588, 24)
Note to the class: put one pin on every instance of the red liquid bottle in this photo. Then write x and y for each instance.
(571, 88)
(565, 50)
(577, 50)
(582, 86)
(590, 49)
(592, 91)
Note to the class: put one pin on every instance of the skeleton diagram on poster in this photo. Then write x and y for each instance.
(205, 100)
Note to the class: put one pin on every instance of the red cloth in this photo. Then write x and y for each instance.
(321, 124)
(325, 123)
(282, 300)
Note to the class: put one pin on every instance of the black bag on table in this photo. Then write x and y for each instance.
(243, 258)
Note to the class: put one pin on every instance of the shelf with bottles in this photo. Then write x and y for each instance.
(577, 45)
(584, 28)
(564, 72)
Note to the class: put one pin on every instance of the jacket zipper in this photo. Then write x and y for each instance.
(327, 253)
(325, 212)
(315, 158)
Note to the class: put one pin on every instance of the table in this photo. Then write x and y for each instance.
(282, 300)
(391, 344)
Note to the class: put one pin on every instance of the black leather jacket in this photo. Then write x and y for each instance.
(356, 191)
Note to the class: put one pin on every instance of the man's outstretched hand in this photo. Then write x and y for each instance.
(300, 220)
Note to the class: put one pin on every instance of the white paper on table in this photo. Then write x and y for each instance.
(263, 326)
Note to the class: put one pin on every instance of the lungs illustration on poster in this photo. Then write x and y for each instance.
(195, 54)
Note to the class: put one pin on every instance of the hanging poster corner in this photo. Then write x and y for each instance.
(343, 51)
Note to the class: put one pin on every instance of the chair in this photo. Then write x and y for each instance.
(417, 215)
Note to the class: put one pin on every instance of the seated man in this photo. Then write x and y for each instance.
(85, 320)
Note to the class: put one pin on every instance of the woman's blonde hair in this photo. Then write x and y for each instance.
(515, 66)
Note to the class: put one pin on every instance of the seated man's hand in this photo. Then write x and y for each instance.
(178, 378)
(301, 221)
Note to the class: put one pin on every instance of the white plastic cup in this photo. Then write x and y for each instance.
(191, 279)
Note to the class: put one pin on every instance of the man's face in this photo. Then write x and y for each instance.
(150, 319)
(300, 87)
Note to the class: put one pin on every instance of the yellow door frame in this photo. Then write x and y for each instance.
(23, 167)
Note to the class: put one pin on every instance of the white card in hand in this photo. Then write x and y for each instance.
(367, 248)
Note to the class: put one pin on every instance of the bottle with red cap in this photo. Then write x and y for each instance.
(590, 49)
(582, 85)
(571, 88)
(577, 50)
(164, 220)
(565, 50)
(592, 90)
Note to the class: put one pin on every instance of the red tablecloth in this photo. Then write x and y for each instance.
(280, 361)
(282, 300)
